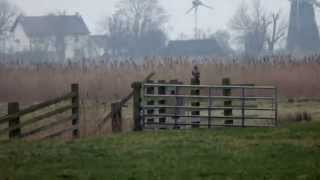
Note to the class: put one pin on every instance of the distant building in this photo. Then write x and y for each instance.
(206, 47)
(303, 33)
(98, 45)
(66, 36)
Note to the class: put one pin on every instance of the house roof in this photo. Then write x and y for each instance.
(194, 47)
(40, 26)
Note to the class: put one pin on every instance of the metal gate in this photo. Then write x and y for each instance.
(177, 106)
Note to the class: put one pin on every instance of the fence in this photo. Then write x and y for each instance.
(164, 106)
(116, 110)
(13, 125)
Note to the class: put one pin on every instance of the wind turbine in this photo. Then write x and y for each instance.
(303, 34)
(195, 6)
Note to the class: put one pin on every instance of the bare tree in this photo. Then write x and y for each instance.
(252, 27)
(257, 29)
(135, 24)
(223, 39)
(143, 15)
(118, 34)
(8, 13)
(277, 31)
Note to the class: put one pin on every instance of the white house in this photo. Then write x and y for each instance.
(65, 36)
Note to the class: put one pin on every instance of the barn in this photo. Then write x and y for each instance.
(204, 47)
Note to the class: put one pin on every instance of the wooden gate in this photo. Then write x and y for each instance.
(42, 117)
(177, 106)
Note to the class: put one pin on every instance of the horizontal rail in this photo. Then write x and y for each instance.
(234, 106)
(213, 117)
(48, 126)
(206, 125)
(210, 97)
(208, 107)
(209, 86)
(36, 107)
(127, 98)
(61, 132)
(38, 118)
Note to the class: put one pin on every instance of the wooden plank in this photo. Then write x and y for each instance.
(243, 109)
(127, 98)
(212, 97)
(116, 117)
(38, 118)
(213, 125)
(136, 105)
(47, 127)
(123, 101)
(14, 132)
(36, 107)
(233, 84)
(217, 117)
(105, 119)
(5, 119)
(59, 133)
(75, 110)
(209, 86)
(276, 107)
(213, 108)
(195, 80)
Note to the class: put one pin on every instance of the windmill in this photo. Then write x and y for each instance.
(195, 6)
(303, 33)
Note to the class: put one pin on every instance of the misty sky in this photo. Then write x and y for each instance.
(93, 12)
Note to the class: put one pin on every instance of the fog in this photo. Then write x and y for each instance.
(162, 27)
(94, 10)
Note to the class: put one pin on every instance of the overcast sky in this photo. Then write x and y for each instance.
(94, 10)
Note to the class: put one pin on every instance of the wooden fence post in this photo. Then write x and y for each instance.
(116, 111)
(162, 90)
(227, 103)
(177, 102)
(195, 80)
(75, 110)
(13, 108)
(136, 105)
(276, 107)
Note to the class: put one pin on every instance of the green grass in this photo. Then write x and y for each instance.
(291, 152)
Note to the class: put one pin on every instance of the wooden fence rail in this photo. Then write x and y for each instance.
(116, 110)
(15, 125)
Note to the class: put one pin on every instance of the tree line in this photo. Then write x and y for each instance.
(139, 28)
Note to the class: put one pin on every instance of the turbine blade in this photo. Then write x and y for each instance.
(316, 3)
(190, 10)
(209, 7)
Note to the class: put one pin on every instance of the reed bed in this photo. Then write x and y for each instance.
(103, 81)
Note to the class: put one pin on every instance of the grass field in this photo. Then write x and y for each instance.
(291, 152)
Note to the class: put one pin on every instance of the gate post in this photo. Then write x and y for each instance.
(13, 108)
(276, 107)
(75, 110)
(227, 103)
(195, 80)
(136, 105)
(162, 90)
(116, 117)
